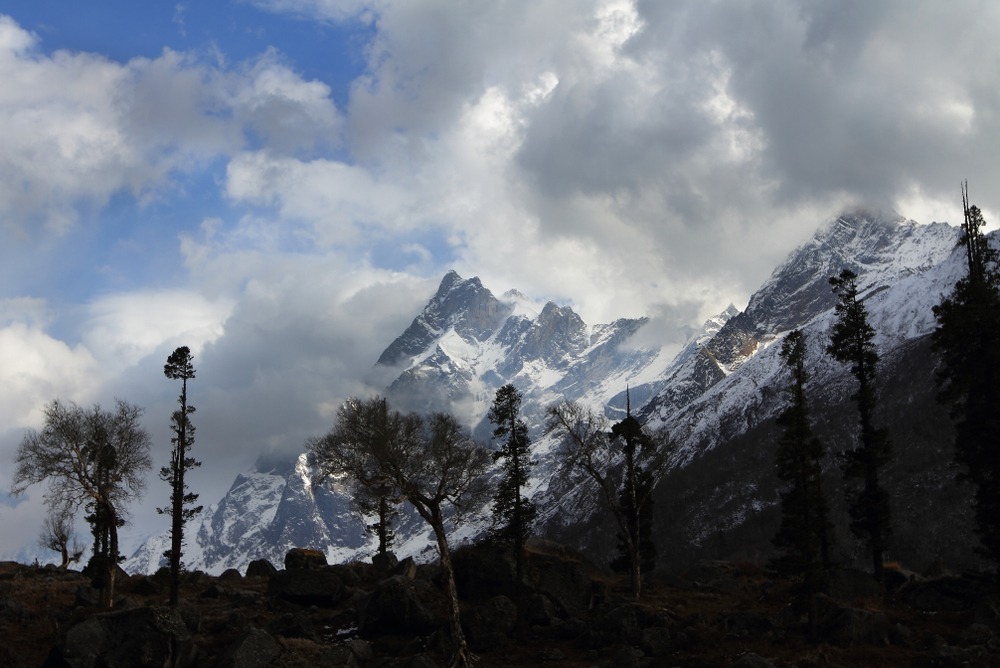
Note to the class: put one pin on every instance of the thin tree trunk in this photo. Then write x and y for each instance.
(460, 657)
(176, 529)
(109, 589)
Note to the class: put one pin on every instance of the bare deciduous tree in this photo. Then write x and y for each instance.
(431, 462)
(57, 534)
(88, 455)
(589, 444)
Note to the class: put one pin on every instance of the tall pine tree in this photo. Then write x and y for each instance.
(967, 339)
(179, 366)
(513, 513)
(853, 342)
(803, 537)
(636, 549)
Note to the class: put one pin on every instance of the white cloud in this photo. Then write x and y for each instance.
(36, 368)
(121, 330)
(79, 128)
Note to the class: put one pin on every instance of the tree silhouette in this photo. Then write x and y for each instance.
(88, 455)
(637, 550)
(57, 534)
(852, 341)
(179, 366)
(513, 514)
(803, 536)
(589, 446)
(967, 339)
(431, 462)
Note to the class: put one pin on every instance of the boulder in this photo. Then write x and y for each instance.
(299, 558)
(128, 639)
(308, 587)
(384, 563)
(230, 575)
(751, 660)
(254, 649)
(623, 656)
(400, 605)
(482, 572)
(490, 624)
(260, 568)
(145, 585)
(568, 582)
(622, 625)
(407, 568)
(539, 611)
(657, 641)
(851, 584)
(293, 625)
(947, 594)
(846, 626)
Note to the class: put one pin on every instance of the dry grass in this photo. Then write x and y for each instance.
(709, 625)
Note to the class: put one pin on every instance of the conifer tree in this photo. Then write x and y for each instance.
(378, 501)
(179, 366)
(803, 537)
(589, 446)
(513, 513)
(636, 549)
(967, 339)
(852, 341)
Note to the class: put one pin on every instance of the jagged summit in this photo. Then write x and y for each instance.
(880, 246)
(725, 383)
(463, 305)
(466, 343)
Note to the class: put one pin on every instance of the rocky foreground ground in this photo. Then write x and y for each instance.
(392, 615)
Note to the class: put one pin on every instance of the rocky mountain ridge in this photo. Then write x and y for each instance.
(723, 388)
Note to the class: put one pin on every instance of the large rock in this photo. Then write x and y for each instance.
(622, 625)
(851, 584)
(400, 605)
(846, 626)
(751, 660)
(947, 594)
(490, 624)
(308, 587)
(129, 639)
(384, 562)
(482, 572)
(300, 558)
(260, 568)
(254, 649)
(568, 583)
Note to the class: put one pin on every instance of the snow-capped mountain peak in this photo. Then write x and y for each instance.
(725, 381)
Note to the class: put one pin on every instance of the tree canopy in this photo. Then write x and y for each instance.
(967, 339)
(179, 366)
(513, 513)
(85, 455)
(615, 460)
(853, 341)
(431, 462)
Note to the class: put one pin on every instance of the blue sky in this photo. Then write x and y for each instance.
(281, 184)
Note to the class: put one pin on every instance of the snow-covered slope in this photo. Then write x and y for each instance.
(903, 269)
(266, 511)
(463, 346)
(724, 384)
